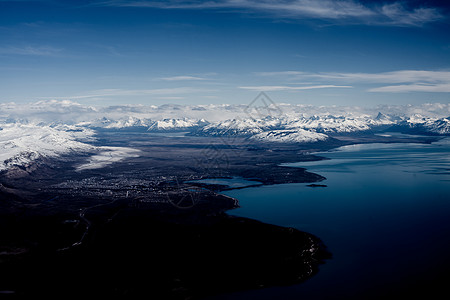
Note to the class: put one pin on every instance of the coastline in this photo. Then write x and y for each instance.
(142, 198)
(362, 216)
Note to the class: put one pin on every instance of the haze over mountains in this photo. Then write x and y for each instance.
(54, 128)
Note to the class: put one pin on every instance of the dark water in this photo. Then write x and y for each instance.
(384, 215)
(235, 182)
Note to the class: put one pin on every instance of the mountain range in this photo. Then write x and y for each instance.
(55, 128)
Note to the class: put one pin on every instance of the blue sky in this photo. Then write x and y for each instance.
(319, 52)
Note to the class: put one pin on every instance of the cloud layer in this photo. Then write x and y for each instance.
(30, 50)
(412, 80)
(182, 78)
(349, 11)
(271, 88)
(398, 81)
(71, 113)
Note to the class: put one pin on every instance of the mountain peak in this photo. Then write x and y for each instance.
(381, 116)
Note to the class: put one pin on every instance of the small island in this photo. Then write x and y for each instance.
(313, 185)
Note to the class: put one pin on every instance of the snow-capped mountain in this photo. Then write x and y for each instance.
(129, 121)
(168, 124)
(440, 126)
(329, 124)
(290, 136)
(54, 128)
(420, 124)
(22, 144)
(240, 127)
(183, 124)
(383, 119)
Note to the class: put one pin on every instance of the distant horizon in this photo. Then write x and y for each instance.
(105, 104)
(72, 112)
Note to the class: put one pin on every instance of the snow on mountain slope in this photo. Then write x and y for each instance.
(290, 136)
(177, 124)
(383, 119)
(168, 124)
(231, 127)
(440, 126)
(238, 126)
(70, 112)
(421, 124)
(123, 122)
(53, 128)
(329, 124)
(321, 124)
(107, 155)
(22, 144)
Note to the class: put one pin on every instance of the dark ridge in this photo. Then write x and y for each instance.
(142, 254)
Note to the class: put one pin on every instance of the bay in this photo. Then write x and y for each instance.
(384, 216)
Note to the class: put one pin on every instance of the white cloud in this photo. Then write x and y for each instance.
(345, 10)
(399, 81)
(182, 78)
(170, 98)
(418, 16)
(389, 77)
(281, 73)
(30, 50)
(269, 88)
(72, 113)
(98, 94)
(405, 88)
(414, 80)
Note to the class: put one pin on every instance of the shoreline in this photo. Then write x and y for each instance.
(368, 217)
(316, 156)
(135, 198)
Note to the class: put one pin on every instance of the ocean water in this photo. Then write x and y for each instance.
(384, 216)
